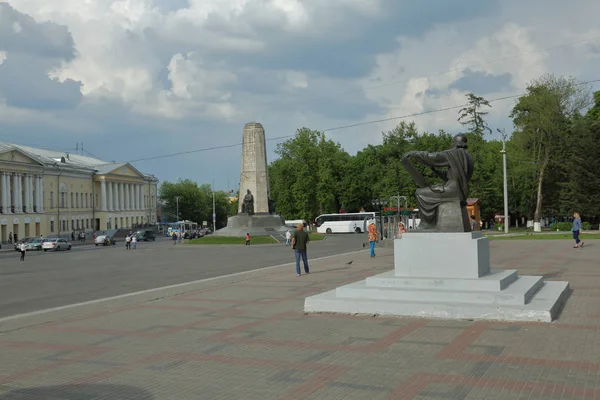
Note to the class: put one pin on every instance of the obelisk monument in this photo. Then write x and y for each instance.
(254, 175)
(256, 212)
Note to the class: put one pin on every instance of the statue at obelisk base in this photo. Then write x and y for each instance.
(442, 269)
(256, 211)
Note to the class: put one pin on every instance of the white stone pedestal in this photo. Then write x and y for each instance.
(446, 275)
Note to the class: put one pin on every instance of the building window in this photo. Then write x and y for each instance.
(86, 201)
(51, 226)
(76, 200)
(72, 222)
(52, 201)
(64, 225)
(72, 204)
(96, 198)
(63, 196)
(87, 224)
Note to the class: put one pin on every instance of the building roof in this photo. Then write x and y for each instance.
(473, 201)
(73, 161)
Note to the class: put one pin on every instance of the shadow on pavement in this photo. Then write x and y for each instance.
(79, 392)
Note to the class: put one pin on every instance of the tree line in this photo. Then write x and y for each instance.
(553, 160)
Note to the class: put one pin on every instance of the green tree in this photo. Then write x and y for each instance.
(542, 115)
(472, 117)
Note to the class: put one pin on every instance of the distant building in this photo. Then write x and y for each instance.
(46, 192)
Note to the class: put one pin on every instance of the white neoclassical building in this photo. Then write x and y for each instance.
(45, 192)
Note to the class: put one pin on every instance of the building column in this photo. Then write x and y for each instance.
(136, 196)
(103, 194)
(110, 196)
(26, 193)
(8, 199)
(41, 179)
(4, 197)
(36, 200)
(16, 192)
(132, 195)
(21, 194)
(121, 198)
(127, 203)
(141, 196)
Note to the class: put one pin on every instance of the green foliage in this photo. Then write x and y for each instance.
(561, 226)
(471, 116)
(586, 226)
(195, 202)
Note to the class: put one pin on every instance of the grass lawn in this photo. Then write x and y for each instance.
(546, 236)
(232, 240)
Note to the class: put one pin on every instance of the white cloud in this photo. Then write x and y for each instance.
(183, 68)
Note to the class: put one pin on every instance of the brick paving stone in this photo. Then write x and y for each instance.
(252, 340)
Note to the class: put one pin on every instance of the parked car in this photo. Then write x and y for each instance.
(36, 243)
(104, 240)
(24, 240)
(145, 235)
(56, 244)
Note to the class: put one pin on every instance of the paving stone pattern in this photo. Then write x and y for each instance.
(251, 340)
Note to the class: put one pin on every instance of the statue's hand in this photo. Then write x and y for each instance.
(407, 155)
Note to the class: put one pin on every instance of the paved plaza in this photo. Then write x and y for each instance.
(247, 337)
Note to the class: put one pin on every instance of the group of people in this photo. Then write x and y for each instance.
(130, 241)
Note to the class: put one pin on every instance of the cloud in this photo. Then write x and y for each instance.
(139, 78)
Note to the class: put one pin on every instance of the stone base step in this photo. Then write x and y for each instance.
(496, 280)
(518, 293)
(544, 306)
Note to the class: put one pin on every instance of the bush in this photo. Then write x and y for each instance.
(564, 226)
(586, 226)
(554, 226)
(500, 227)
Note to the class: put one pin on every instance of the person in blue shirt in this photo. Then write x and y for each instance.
(576, 230)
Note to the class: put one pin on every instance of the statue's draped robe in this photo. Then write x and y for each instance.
(458, 169)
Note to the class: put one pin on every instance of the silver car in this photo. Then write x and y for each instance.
(56, 245)
(35, 244)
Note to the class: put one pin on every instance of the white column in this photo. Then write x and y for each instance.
(16, 192)
(137, 198)
(30, 185)
(26, 193)
(121, 198)
(141, 196)
(103, 194)
(41, 178)
(111, 197)
(21, 197)
(4, 197)
(116, 204)
(132, 196)
(127, 204)
(36, 200)
(8, 199)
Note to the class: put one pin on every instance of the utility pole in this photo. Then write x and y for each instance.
(506, 222)
(177, 200)
(214, 215)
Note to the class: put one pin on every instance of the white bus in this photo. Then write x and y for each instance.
(344, 223)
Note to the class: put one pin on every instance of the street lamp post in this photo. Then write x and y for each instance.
(503, 133)
(378, 203)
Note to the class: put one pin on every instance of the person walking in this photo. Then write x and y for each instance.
(300, 242)
(128, 242)
(372, 238)
(577, 230)
(247, 238)
(133, 242)
(23, 248)
(288, 237)
(174, 237)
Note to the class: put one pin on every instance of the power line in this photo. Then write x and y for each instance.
(334, 128)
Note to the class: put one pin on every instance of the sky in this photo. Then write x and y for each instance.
(141, 79)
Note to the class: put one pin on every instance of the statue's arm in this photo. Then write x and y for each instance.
(438, 160)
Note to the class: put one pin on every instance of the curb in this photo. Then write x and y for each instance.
(20, 321)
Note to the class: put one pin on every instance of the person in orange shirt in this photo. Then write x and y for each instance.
(372, 238)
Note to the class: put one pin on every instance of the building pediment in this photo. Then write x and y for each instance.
(17, 156)
(122, 170)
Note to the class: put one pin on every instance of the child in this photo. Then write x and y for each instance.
(247, 239)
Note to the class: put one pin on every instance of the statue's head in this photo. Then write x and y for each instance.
(460, 141)
(248, 191)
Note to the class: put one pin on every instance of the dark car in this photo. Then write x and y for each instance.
(145, 235)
